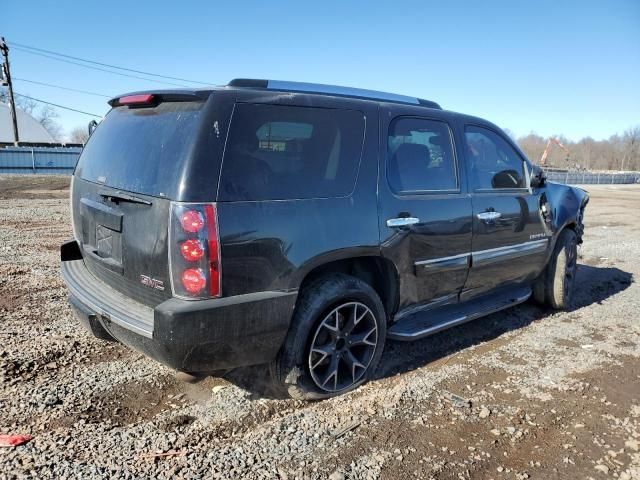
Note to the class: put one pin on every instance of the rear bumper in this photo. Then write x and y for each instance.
(191, 336)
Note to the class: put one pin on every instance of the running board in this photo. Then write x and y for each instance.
(428, 322)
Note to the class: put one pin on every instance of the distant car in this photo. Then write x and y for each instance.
(299, 226)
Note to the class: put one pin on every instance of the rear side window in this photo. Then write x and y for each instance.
(141, 149)
(494, 164)
(420, 156)
(278, 152)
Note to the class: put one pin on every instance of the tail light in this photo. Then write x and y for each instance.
(194, 250)
(193, 280)
(191, 221)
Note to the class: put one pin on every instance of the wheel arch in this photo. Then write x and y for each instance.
(375, 270)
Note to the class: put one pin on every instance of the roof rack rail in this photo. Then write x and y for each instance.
(330, 90)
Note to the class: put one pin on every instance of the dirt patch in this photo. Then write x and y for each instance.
(559, 439)
(565, 342)
(63, 353)
(607, 224)
(9, 301)
(16, 370)
(34, 186)
(107, 352)
(177, 422)
(7, 271)
(22, 225)
(128, 403)
(592, 261)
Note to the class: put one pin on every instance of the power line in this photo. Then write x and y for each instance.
(106, 64)
(56, 105)
(98, 68)
(63, 88)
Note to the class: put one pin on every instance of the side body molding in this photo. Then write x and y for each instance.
(483, 257)
(509, 252)
(444, 263)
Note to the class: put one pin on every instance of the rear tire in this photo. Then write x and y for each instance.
(335, 341)
(555, 285)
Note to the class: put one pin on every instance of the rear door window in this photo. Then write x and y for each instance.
(277, 152)
(141, 149)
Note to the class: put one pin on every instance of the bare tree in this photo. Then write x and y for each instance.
(26, 105)
(79, 135)
(618, 152)
(631, 148)
(47, 118)
(533, 146)
(584, 151)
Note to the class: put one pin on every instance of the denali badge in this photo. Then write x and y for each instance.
(538, 235)
(151, 282)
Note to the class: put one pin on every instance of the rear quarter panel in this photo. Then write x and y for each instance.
(272, 245)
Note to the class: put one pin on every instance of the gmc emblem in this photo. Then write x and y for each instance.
(151, 282)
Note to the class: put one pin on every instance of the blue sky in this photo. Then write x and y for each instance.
(569, 68)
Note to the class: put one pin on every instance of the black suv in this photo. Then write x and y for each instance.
(300, 226)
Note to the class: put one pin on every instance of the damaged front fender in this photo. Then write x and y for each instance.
(563, 206)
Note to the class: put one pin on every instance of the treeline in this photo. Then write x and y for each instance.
(618, 152)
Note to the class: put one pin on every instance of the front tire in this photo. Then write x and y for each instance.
(335, 341)
(555, 286)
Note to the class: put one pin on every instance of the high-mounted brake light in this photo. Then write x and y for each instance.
(142, 99)
(194, 250)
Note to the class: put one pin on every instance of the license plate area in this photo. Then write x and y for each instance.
(108, 243)
(102, 234)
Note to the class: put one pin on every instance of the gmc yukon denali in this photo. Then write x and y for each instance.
(299, 226)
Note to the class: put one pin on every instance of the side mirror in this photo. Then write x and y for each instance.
(537, 177)
(506, 179)
(92, 126)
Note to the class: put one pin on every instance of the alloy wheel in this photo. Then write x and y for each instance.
(342, 347)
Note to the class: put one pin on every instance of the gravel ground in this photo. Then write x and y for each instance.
(526, 393)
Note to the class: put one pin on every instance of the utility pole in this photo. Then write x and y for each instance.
(6, 80)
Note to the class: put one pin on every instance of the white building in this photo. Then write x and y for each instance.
(29, 129)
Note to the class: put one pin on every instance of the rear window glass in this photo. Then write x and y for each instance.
(278, 152)
(141, 149)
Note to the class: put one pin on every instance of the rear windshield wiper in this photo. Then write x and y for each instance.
(123, 197)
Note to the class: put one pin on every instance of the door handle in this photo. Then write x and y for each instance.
(402, 222)
(488, 216)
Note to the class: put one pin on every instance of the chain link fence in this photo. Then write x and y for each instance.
(584, 177)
